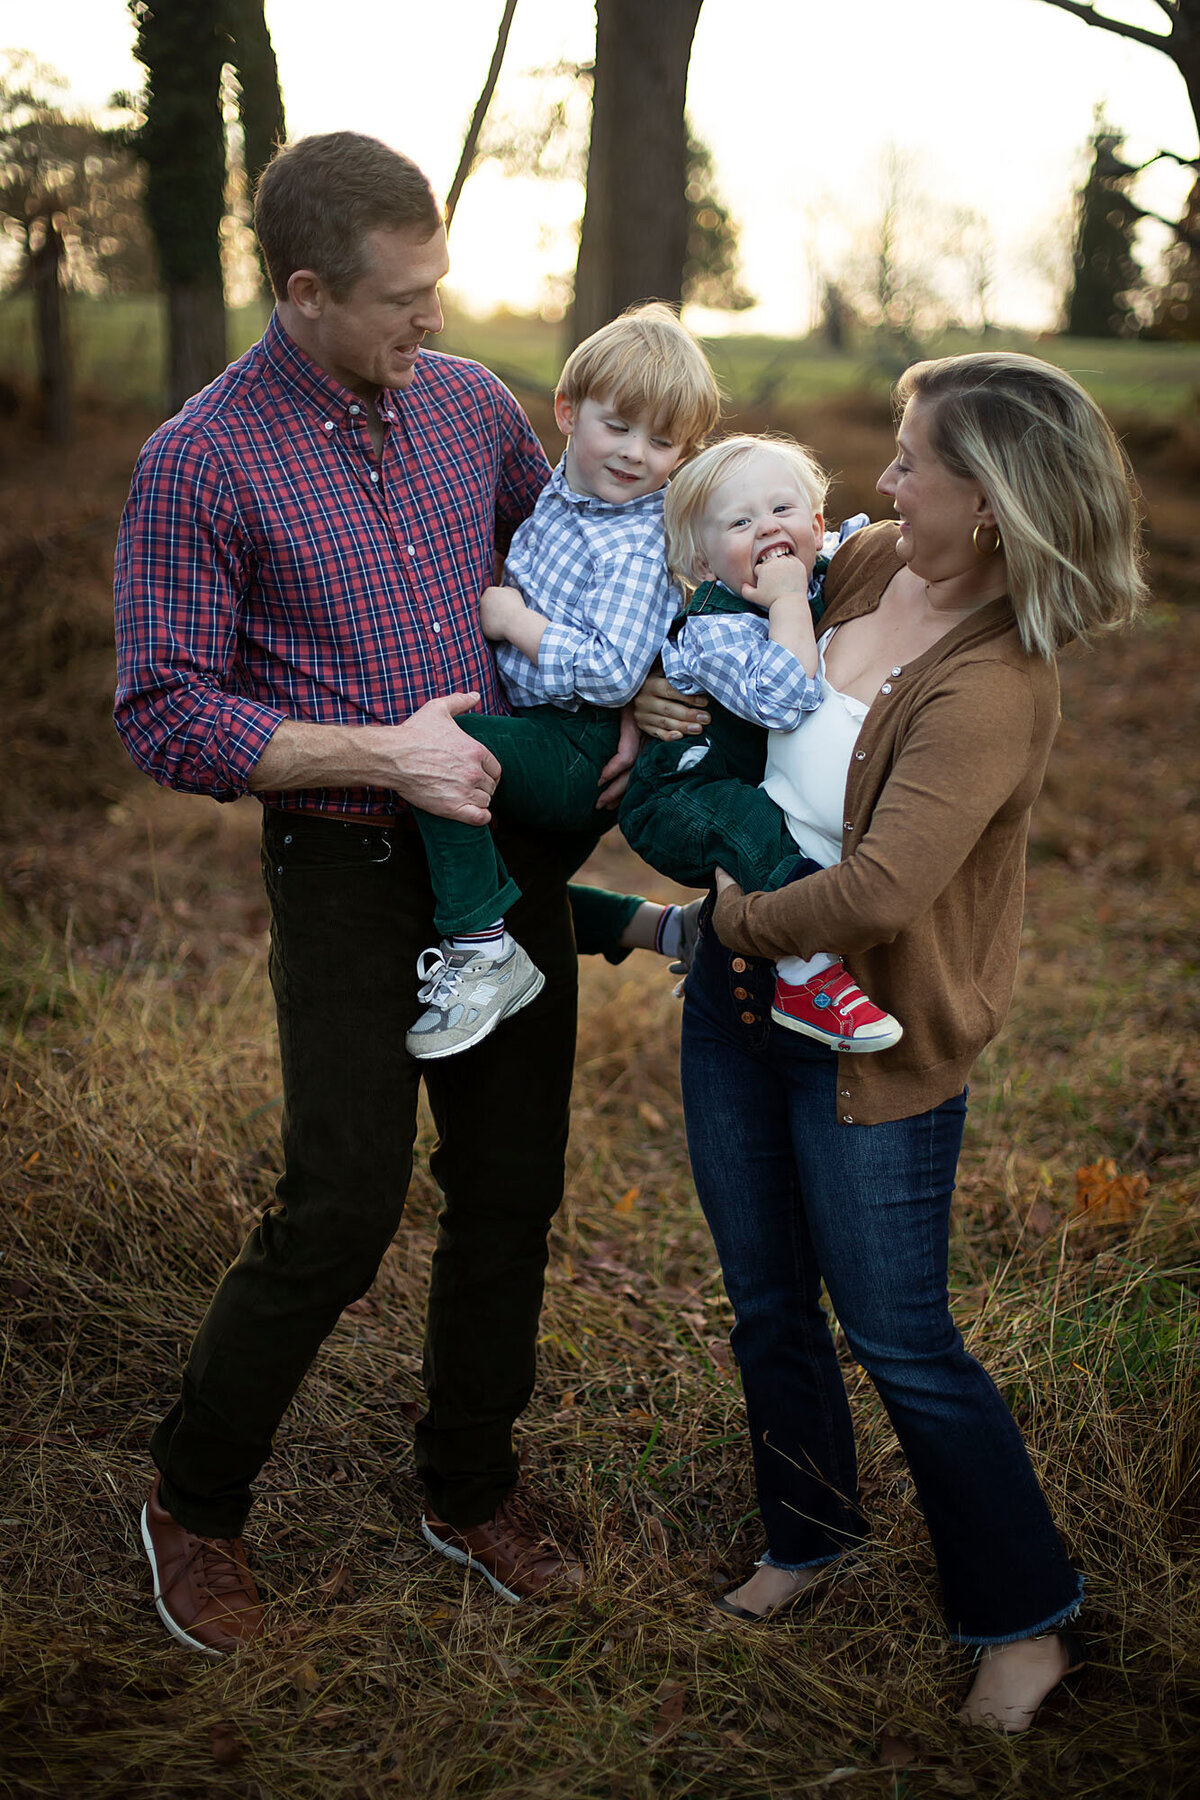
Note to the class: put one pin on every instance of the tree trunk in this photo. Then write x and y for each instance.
(54, 380)
(634, 237)
(195, 338)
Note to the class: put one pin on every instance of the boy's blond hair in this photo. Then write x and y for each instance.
(645, 364)
(690, 491)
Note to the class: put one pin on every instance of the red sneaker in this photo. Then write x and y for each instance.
(832, 1008)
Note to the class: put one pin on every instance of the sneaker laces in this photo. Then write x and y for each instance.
(440, 976)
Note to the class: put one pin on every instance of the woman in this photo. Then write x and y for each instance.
(1017, 532)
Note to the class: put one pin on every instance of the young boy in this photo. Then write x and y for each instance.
(578, 625)
(745, 522)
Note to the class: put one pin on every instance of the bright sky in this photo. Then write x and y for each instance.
(993, 100)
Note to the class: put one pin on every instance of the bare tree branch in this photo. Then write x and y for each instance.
(471, 142)
(1152, 39)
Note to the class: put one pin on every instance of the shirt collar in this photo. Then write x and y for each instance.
(558, 484)
(307, 380)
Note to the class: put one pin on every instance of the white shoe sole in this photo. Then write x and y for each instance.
(435, 1055)
(176, 1630)
(833, 1042)
(467, 1561)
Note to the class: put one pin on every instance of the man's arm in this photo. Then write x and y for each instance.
(427, 760)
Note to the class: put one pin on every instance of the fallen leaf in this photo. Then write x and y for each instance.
(895, 1752)
(227, 1746)
(1039, 1220)
(650, 1115)
(305, 1678)
(1105, 1198)
(670, 1697)
(625, 1203)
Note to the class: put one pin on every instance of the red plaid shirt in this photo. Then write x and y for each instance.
(269, 568)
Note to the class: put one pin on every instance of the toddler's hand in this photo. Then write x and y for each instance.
(783, 578)
(499, 607)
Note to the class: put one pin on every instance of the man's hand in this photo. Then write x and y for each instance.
(427, 759)
(441, 769)
(614, 776)
(661, 712)
(500, 609)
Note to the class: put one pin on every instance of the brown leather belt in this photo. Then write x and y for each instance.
(383, 821)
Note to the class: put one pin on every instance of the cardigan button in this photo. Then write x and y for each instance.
(897, 671)
(849, 825)
(860, 756)
(886, 688)
(845, 1093)
(847, 1118)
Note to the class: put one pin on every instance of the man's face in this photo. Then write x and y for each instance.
(372, 338)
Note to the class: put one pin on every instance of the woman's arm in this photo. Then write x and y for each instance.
(971, 748)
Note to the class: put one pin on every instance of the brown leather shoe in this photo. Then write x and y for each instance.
(520, 1561)
(204, 1592)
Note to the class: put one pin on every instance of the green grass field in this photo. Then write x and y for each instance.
(117, 346)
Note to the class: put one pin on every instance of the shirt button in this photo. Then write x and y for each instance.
(897, 671)
(436, 626)
(329, 424)
(409, 551)
(738, 965)
(747, 1018)
(355, 409)
(886, 688)
(375, 476)
(391, 416)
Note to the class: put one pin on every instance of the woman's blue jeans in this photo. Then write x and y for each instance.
(793, 1199)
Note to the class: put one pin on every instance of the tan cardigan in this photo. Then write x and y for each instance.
(926, 902)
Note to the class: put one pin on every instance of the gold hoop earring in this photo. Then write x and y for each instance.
(992, 548)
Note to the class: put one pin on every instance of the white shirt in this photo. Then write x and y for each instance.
(807, 768)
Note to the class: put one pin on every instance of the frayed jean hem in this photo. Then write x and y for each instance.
(1063, 1617)
(767, 1561)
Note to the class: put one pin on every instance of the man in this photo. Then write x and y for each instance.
(297, 581)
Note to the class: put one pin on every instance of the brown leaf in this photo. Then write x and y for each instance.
(895, 1752)
(1105, 1198)
(1039, 1220)
(227, 1746)
(650, 1115)
(670, 1696)
(625, 1203)
(305, 1678)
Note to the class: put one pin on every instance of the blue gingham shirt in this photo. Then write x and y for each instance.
(597, 570)
(730, 657)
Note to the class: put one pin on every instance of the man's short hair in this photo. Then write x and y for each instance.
(318, 198)
(647, 365)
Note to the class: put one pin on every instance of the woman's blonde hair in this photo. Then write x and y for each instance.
(690, 490)
(1055, 475)
(647, 365)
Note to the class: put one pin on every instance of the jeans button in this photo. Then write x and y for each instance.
(748, 1018)
(738, 965)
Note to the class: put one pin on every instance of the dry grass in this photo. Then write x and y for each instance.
(138, 1123)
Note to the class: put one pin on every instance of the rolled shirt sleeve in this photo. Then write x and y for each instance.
(731, 658)
(181, 568)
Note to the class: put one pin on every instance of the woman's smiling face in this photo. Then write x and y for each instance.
(758, 512)
(938, 510)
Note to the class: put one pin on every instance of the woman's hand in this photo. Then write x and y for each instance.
(662, 712)
(724, 880)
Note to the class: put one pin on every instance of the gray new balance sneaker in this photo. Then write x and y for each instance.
(466, 996)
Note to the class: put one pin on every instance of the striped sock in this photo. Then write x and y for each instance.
(668, 934)
(494, 941)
